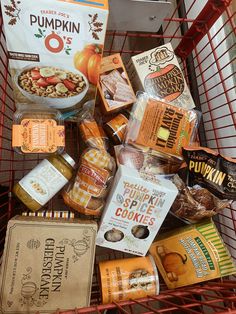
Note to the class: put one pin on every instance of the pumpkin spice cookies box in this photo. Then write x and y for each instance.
(114, 85)
(158, 73)
(56, 60)
(192, 254)
(135, 210)
(47, 264)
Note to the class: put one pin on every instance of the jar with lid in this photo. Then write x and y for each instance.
(44, 181)
(116, 127)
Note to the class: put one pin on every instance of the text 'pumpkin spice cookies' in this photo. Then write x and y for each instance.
(160, 126)
(192, 254)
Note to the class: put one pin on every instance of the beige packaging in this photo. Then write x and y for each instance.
(47, 264)
(158, 73)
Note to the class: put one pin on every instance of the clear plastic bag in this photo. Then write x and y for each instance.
(161, 126)
(87, 192)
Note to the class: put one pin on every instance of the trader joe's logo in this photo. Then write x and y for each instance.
(167, 82)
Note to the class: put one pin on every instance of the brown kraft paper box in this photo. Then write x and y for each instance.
(47, 264)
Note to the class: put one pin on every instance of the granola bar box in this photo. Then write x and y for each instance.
(47, 264)
(157, 72)
(135, 210)
(55, 49)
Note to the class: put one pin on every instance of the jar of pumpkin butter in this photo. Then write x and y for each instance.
(44, 181)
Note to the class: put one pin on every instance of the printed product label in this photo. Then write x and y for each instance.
(129, 278)
(43, 182)
(118, 125)
(91, 178)
(165, 128)
(192, 256)
(160, 74)
(38, 136)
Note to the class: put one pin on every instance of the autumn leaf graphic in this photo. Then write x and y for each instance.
(95, 26)
(12, 11)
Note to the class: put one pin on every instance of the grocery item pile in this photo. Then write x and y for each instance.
(139, 162)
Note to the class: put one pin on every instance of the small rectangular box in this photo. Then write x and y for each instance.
(135, 210)
(157, 72)
(114, 85)
(47, 264)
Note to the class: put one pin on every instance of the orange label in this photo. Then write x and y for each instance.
(166, 128)
(130, 278)
(91, 178)
(118, 125)
(91, 130)
(38, 136)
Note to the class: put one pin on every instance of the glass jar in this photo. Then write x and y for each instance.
(44, 181)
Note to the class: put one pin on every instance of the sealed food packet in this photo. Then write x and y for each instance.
(95, 172)
(149, 162)
(195, 203)
(92, 134)
(211, 170)
(38, 131)
(161, 126)
(192, 254)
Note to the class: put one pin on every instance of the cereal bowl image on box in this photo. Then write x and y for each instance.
(52, 86)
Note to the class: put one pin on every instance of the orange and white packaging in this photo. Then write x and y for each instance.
(160, 126)
(135, 210)
(128, 278)
(158, 73)
(58, 65)
(114, 85)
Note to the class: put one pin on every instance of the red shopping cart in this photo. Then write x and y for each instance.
(203, 35)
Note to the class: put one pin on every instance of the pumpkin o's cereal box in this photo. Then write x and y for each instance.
(192, 254)
(55, 49)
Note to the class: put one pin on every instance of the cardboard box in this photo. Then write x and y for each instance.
(135, 210)
(114, 85)
(47, 264)
(55, 50)
(157, 72)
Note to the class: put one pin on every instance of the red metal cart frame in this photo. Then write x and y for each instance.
(203, 35)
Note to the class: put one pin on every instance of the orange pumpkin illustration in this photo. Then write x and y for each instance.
(174, 263)
(167, 82)
(88, 62)
(28, 289)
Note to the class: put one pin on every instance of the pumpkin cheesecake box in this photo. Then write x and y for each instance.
(56, 59)
(135, 210)
(157, 72)
(47, 264)
(114, 85)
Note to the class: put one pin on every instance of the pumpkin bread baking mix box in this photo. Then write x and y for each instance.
(47, 264)
(192, 254)
(56, 59)
(157, 72)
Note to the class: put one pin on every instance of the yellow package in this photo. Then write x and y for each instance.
(192, 254)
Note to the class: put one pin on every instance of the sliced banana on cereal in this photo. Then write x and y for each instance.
(60, 74)
(61, 88)
(47, 72)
